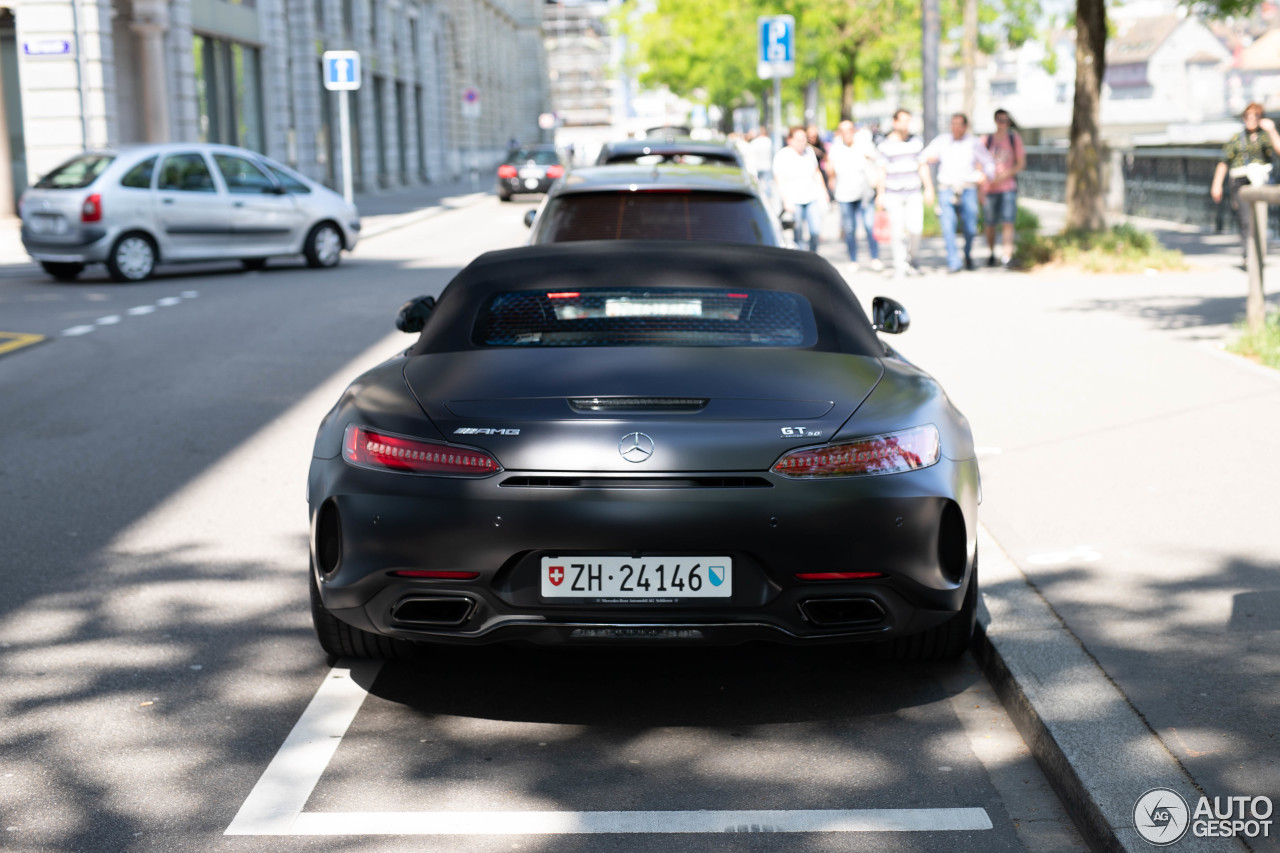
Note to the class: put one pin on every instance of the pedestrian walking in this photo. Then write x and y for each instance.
(1247, 158)
(819, 148)
(964, 165)
(903, 187)
(801, 188)
(1010, 157)
(851, 173)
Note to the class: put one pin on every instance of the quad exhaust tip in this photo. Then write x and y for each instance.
(842, 612)
(434, 610)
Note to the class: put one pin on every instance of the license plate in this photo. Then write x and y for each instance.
(531, 173)
(46, 223)
(646, 577)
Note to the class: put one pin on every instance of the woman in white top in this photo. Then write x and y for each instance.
(800, 184)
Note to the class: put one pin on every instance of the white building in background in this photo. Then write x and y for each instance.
(92, 73)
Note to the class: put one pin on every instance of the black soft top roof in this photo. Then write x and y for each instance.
(841, 323)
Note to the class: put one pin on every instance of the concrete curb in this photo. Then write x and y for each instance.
(1097, 751)
(382, 223)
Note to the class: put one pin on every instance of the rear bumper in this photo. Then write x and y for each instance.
(916, 529)
(87, 245)
(514, 186)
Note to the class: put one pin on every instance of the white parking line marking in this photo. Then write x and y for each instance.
(274, 806)
(78, 330)
(169, 301)
(596, 823)
(276, 801)
(109, 320)
(140, 310)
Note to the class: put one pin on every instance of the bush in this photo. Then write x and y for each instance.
(1119, 249)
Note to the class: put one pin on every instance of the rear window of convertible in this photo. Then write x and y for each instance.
(616, 317)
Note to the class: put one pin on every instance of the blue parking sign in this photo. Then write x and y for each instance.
(341, 70)
(777, 54)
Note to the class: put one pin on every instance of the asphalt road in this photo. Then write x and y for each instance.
(156, 651)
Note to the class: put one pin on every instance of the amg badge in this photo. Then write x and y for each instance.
(484, 431)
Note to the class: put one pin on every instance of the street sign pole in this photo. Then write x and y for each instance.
(344, 120)
(775, 59)
(342, 75)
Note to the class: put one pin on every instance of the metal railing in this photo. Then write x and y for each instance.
(1159, 183)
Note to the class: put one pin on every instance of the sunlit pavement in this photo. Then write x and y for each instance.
(158, 665)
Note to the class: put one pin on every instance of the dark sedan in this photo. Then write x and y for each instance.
(642, 442)
(528, 169)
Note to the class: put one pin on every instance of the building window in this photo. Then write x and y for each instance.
(229, 92)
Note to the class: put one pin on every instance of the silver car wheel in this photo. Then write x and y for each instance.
(135, 258)
(328, 245)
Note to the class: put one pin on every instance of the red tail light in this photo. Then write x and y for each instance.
(890, 453)
(506, 171)
(555, 171)
(91, 210)
(385, 452)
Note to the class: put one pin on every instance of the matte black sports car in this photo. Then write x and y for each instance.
(645, 442)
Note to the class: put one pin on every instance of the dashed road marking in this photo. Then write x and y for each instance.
(77, 330)
(137, 311)
(169, 301)
(140, 310)
(275, 805)
(108, 321)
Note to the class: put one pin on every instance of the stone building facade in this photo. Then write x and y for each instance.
(93, 73)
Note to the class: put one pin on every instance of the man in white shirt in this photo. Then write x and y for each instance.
(964, 164)
(761, 147)
(801, 187)
(850, 170)
(903, 188)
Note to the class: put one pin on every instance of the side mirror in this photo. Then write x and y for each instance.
(889, 316)
(788, 220)
(414, 313)
(273, 190)
(529, 216)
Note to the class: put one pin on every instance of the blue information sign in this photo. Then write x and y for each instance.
(341, 70)
(777, 54)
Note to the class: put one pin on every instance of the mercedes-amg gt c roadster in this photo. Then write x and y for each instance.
(644, 442)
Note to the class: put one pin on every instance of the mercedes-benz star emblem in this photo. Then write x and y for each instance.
(636, 447)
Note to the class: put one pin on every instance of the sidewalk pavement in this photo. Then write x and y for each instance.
(379, 212)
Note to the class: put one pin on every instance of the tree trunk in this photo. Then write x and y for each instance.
(847, 75)
(969, 53)
(1086, 199)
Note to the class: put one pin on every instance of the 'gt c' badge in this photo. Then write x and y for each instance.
(555, 574)
(636, 447)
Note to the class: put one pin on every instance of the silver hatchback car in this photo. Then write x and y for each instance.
(135, 207)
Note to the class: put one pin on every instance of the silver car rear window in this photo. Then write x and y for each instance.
(615, 317)
(76, 173)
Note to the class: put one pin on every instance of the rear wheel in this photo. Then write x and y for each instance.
(342, 640)
(504, 196)
(62, 271)
(324, 246)
(132, 258)
(252, 264)
(941, 642)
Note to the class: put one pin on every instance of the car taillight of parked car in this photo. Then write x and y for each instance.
(91, 210)
(555, 171)
(890, 453)
(366, 448)
(506, 171)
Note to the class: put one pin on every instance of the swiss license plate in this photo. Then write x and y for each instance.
(628, 577)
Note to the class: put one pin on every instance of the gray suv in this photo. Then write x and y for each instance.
(135, 207)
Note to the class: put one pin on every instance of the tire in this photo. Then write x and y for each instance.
(942, 642)
(62, 271)
(253, 264)
(504, 196)
(339, 639)
(132, 258)
(323, 247)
